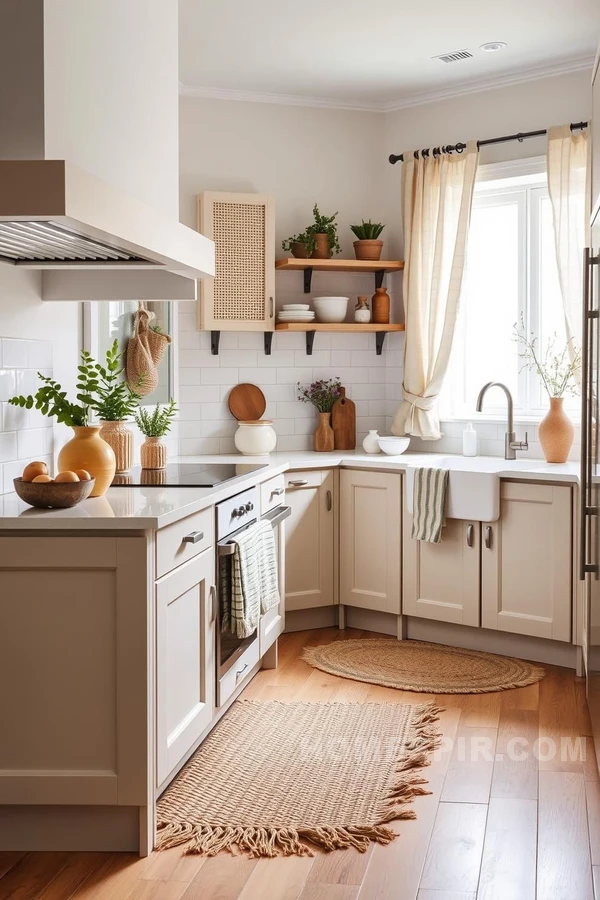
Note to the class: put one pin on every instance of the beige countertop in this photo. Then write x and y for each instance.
(147, 508)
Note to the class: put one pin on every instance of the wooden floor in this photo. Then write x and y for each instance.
(493, 828)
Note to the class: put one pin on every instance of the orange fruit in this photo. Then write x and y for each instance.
(41, 479)
(83, 474)
(67, 476)
(34, 468)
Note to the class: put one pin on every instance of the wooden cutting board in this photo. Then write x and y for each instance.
(247, 403)
(343, 422)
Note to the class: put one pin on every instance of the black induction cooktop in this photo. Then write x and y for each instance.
(185, 475)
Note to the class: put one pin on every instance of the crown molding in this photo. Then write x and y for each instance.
(421, 98)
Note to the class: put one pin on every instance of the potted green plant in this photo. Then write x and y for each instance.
(154, 425)
(367, 246)
(322, 394)
(300, 245)
(324, 230)
(116, 402)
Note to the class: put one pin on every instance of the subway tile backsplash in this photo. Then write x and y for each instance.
(24, 434)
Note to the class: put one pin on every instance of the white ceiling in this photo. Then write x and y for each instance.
(377, 52)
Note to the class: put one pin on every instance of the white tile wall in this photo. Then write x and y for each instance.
(371, 381)
(24, 434)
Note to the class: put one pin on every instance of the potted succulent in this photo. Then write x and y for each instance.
(367, 246)
(300, 245)
(322, 394)
(324, 230)
(116, 402)
(154, 426)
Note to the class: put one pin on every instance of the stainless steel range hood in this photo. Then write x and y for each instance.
(89, 238)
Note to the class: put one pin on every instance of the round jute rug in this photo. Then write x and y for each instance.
(424, 667)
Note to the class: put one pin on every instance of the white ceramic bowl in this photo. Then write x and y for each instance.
(331, 309)
(393, 445)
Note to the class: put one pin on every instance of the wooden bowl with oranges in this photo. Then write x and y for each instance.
(66, 489)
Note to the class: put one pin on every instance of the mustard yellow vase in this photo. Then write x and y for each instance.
(87, 450)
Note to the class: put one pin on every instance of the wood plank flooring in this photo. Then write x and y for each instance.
(498, 825)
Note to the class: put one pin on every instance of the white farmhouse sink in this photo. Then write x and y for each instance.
(474, 484)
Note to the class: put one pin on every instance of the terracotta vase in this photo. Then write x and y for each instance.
(299, 250)
(368, 249)
(118, 436)
(153, 454)
(323, 437)
(87, 450)
(556, 432)
(322, 249)
(380, 307)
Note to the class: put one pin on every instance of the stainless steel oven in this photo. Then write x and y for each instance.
(236, 656)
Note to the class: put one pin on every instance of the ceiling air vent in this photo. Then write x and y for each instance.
(454, 56)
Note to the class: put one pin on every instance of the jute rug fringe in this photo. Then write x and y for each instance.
(271, 841)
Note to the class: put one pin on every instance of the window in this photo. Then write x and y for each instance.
(511, 276)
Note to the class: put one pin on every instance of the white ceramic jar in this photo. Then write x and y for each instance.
(371, 442)
(255, 438)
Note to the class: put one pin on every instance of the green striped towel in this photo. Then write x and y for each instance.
(249, 582)
(429, 499)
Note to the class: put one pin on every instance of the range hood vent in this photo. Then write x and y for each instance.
(29, 242)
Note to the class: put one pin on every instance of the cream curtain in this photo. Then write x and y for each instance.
(567, 186)
(437, 194)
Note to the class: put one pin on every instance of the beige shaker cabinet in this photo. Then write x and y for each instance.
(311, 556)
(186, 617)
(370, 540)
(526, 562)
(441, 581)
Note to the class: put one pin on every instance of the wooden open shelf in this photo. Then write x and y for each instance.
(308, 266)
(311, 328)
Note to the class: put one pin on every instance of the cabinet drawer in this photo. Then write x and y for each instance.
(309, 478)
(172, 548)
(271, 626)
(272, 493)
(236, 674)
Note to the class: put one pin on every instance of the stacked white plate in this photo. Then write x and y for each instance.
(296, 312)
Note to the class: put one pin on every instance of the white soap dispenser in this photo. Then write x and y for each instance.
(469, 441)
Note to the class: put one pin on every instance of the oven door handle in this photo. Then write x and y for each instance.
(275, 517)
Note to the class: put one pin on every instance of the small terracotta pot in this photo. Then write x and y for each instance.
(299, 250)
(556, 432)
(368, 249)
(380, 307)
(118, 436)
(323, 437)
(322, 249)
(153, 454)
(86, 450)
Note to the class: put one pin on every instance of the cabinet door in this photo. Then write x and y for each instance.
(441, 581)
(241, 296)
(185, 663)
(309, 540)
(370, 540)
(527, 562)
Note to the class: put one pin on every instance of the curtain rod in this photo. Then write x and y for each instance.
(450, 148)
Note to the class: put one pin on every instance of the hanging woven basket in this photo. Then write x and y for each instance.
(145, 350)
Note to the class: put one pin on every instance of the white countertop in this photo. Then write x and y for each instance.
(146, 508)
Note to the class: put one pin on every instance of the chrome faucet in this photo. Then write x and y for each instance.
(510, 444)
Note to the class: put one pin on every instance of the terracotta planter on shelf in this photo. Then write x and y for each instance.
(86, 450)
(368, 249)
(299, 250)
(322, 249)
(380, 307)
(153, 454)
(118, 436)
(323, 438)
(556, 432)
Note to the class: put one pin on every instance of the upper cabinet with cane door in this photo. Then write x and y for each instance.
(241, 297)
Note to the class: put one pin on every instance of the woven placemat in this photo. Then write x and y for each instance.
(275, 779)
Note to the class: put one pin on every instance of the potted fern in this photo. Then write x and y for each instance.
(367, 245)
(154, 425)
(300, 245)
(116, 402)
(324, 232)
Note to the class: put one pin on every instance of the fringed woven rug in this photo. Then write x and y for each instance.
(276, 779)
(421, 666)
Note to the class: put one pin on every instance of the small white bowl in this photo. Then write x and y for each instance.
(331, 309)
(393, 445)
(296, 307)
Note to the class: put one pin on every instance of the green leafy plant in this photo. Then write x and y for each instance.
(367, 231)
(556, 369)
(115, 401)
(326, 225)
(322, 394)
(305, 237)
(158, 422)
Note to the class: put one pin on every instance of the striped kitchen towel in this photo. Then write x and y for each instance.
(429, 499)
(249, 580)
